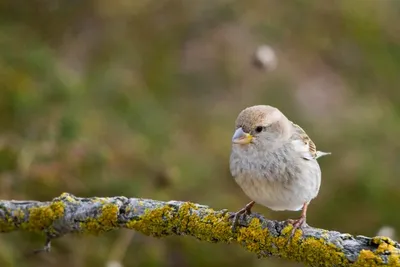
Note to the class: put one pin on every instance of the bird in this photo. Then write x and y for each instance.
(274, 162)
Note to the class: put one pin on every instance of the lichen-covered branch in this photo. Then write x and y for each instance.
(315, 247)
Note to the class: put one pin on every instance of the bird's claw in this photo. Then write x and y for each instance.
(297, 224)
(236, 217)
(246, 211)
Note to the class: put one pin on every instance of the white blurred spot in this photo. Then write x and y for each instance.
(114, 264)
(387, 231)
(265, 58)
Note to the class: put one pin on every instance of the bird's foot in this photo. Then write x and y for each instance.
(297, 224)
(243, 212)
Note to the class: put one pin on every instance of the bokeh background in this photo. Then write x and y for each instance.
(138, 98)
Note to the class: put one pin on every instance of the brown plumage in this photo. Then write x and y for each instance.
(307, 140)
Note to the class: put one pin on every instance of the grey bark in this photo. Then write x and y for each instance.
(316, 247)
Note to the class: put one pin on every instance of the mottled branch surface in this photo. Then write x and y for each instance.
(315, 247)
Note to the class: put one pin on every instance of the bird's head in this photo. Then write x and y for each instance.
(259, 125)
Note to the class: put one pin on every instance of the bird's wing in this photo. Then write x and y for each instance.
(307, 146)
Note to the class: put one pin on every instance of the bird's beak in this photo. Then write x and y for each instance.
(240, 137)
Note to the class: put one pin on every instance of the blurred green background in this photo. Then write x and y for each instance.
(138, 98)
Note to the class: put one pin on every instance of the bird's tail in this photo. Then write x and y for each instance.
(321, 154)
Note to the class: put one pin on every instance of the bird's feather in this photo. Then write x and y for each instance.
(310, 151)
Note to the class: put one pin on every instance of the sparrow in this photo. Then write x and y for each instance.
(274, 162)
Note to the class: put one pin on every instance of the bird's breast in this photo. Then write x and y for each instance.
(274, 179)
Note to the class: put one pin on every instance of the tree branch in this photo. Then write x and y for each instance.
(315, 247)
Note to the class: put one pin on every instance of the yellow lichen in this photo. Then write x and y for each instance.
(253, 237)
(211, 227)
(154, 222)
(6, 224)
(385, 247)
(41, 218)
(287, 229)
(67, 197)
(385, 244)
(186, 220)
(58, 209)
(314, 252)
(106, 221)
(164, 221)
(394, 260)
(368, 258)
(9, 223)
(18, 214)
(317, 252)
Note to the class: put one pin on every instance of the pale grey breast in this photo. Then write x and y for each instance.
(279, 179)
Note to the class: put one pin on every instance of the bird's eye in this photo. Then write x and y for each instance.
(259, 129)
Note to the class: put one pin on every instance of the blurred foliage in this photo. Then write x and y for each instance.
(138, 98)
